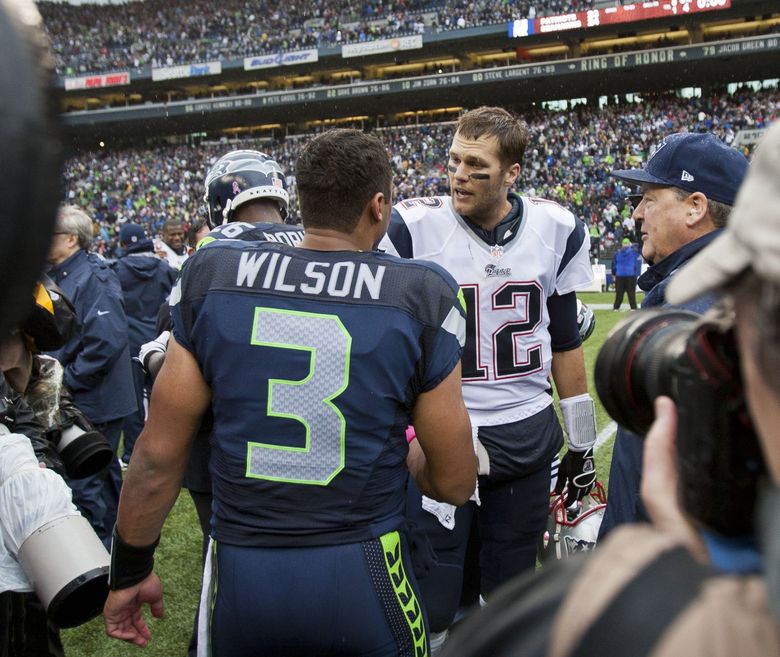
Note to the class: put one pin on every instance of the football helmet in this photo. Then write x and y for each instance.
(239, 177)
(572, 530)
(586, 320)
(52, 320)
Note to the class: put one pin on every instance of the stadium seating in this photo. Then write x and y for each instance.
(569, 158)
(95, 38)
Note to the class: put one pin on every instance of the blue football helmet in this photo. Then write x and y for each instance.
(239, 177)
(586, 320)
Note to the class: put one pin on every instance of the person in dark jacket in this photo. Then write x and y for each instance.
(626, 267)
(146, 282)
(688, 188)
(96, 362)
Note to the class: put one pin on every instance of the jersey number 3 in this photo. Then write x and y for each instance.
(510, 359)
(308, 401)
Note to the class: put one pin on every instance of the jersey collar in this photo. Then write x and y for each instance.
(506, 229)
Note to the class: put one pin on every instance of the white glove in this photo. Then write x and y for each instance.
(157, 346)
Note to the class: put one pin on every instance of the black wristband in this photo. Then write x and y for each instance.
(130, 564)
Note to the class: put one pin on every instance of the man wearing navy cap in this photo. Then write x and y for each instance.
(688, 187)
(146, 282)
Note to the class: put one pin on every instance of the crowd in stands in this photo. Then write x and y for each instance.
(90, 38)
(569, 159)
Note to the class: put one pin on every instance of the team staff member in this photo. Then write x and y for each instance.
(688, 187)
(314, 360)
(96, 362)
(518, 262)
(626, 267)
(146, 282)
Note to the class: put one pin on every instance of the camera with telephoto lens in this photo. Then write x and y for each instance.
(693, 360)
(84, 450)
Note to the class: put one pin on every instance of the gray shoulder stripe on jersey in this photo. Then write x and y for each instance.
(573, 245)
(455, 323)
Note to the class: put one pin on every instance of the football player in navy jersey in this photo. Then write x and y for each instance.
(245, 199)
(314, 360)
(518, 261)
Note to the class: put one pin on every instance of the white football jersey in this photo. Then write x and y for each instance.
(507, 357)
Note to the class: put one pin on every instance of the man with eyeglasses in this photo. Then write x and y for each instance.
(96, 362)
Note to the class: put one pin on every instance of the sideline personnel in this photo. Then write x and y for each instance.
(688, 187)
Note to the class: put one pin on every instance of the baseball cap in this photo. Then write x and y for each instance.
(695, 162)
(626, 241)
(752, 236)
(131, 234)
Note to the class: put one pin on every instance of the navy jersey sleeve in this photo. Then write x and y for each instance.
(564, 332)
(442, 342)
(398, 233)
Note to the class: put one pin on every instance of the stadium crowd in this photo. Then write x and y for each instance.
(571, 155)
(94, 38)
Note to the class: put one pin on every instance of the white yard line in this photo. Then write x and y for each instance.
(605, 434)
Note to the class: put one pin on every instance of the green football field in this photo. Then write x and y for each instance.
(178, 556)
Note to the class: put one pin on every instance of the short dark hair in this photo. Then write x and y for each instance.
(172, 223)
(194, 229)
(511, 132)
(337, 173)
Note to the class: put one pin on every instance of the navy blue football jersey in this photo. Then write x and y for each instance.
(260, 232)
(315, 360)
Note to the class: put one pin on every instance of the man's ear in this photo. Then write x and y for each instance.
(699, 205)
(376, 206)
(511, 175)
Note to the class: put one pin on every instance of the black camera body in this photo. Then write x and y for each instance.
(693, 360)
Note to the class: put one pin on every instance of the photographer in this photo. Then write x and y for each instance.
(677, 587)
(32, 145)
(25, 628)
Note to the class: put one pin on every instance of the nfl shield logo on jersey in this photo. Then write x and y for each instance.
(496, 251)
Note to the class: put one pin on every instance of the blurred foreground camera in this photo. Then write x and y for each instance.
(59, 554)
(694, 361)
(84, 450)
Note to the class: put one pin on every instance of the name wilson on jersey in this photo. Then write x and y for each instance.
(268, 271)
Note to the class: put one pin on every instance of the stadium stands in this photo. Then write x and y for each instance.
(569, 159)
(95, 38)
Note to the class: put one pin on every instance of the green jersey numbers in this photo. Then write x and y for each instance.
(308, 401)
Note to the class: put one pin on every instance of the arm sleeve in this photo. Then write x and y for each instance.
(564, 332)
(575, 271)
(103, 334)
(17, 415)
(443, 340)
(398, 240)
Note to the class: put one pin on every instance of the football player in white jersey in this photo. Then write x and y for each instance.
(518, 261)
